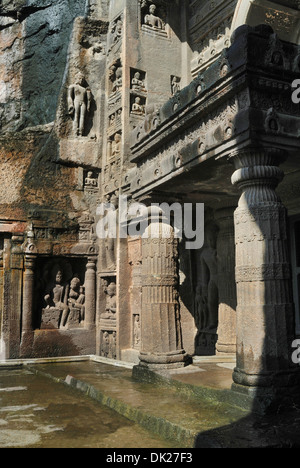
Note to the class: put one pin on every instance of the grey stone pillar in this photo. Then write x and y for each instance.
(90, 293)
(265, 315)
(27, 306)
(161, 340)
(226, 282)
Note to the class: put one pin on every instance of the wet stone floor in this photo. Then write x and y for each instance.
(36, 412)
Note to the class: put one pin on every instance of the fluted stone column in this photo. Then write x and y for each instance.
(90, 293)
(265, 315)
(27, 307)
(226, 282)
(161, 339)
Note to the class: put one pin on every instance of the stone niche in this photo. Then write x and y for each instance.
(138, 96)
(107, 316)
(59, 296)
(154, 18)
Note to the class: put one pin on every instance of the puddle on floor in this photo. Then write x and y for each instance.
(36, 412)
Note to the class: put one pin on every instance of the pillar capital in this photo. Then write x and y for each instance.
(29, 262)
(91, 263)
(257, 175)
(258, 156)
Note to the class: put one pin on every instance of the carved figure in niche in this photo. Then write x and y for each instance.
(113, 346)
(136, 332)
(175, 85)
(104, 285)
(90, 180)
(111, 241)
(105, 344)
(76, 299)
(116, 30)
(111, 302)
(201, 314)
(112, 72)
(112, 119)
(57, 296)
(136, 83)
(80, 302)
(137, 107)
(152, 20)
(272, 122)
(209, 281)
(277, 59)
(118, 81)
(116, 145)
(119, 115)
(79, 103)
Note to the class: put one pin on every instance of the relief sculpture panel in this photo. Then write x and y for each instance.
(60, 296)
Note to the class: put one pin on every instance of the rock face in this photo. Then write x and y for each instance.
(147, 101)
(35, 40)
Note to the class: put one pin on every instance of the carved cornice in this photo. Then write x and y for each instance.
(225, 108)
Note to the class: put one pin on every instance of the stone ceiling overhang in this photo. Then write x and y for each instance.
(243, 99)
(282, 15)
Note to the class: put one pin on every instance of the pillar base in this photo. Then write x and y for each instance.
(277, 379)
(266, 400)
(269, 391)
(225, 349)
(26, 344)
(172, 360)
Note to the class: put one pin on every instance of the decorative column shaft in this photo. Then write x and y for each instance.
(265, 316)
(28, 289)
(160, 320)
(226, 282)
(27, 308)
(90, 294)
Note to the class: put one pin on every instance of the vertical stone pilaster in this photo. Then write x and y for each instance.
(265, 315)
(226, 282)
(90, 293)
(160, 319)
(27, 305)
(12, 297)
(2, 355)
(135, 261)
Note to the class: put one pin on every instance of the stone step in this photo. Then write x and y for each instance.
(170, 411)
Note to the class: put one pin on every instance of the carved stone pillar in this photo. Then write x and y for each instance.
(160, 320)
(226, 282)
(12, 295)
(27, 307)
(135, 261)
(265, 315)
(90, 293)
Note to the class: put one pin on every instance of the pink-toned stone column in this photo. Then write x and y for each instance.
(265, 314)
(27, 306)
(90, 294)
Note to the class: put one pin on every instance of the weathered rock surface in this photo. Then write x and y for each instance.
(34, 38)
